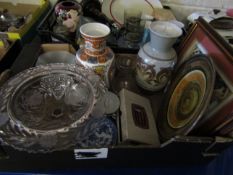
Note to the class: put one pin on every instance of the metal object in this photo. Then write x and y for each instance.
(8, 20)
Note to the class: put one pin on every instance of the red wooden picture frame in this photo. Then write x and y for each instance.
(202, 38)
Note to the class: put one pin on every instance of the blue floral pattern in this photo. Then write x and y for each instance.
(98, 132)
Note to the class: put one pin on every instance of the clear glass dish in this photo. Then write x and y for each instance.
(43, 108)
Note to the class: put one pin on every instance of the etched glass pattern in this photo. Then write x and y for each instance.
(44, 108)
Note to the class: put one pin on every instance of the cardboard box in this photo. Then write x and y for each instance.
(5, 45)
(8, 54)
(32, 8)
(30, 53)
(57, 53)
(182, 150)
(57, 47)
(3, 51)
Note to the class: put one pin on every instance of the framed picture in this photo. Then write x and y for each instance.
(203, 39)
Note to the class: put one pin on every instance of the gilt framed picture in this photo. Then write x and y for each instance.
(203, 39)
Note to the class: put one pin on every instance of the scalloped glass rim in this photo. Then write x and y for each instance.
(15, 134)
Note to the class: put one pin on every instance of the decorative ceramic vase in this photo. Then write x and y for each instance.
(68, 14)
(95, 54)
(157, 58)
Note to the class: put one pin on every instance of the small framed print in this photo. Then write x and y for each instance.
(203, 39)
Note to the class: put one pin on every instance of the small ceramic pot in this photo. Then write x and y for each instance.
(95, 54)
(68, 14)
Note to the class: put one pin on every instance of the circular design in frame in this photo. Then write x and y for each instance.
(187, 97)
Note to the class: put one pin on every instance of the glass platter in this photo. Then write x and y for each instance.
(44, 108)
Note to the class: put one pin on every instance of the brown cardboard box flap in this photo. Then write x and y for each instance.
(57, 47)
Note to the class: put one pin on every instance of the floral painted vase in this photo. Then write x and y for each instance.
(157, 58)
(95, 54)
(68, 14)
